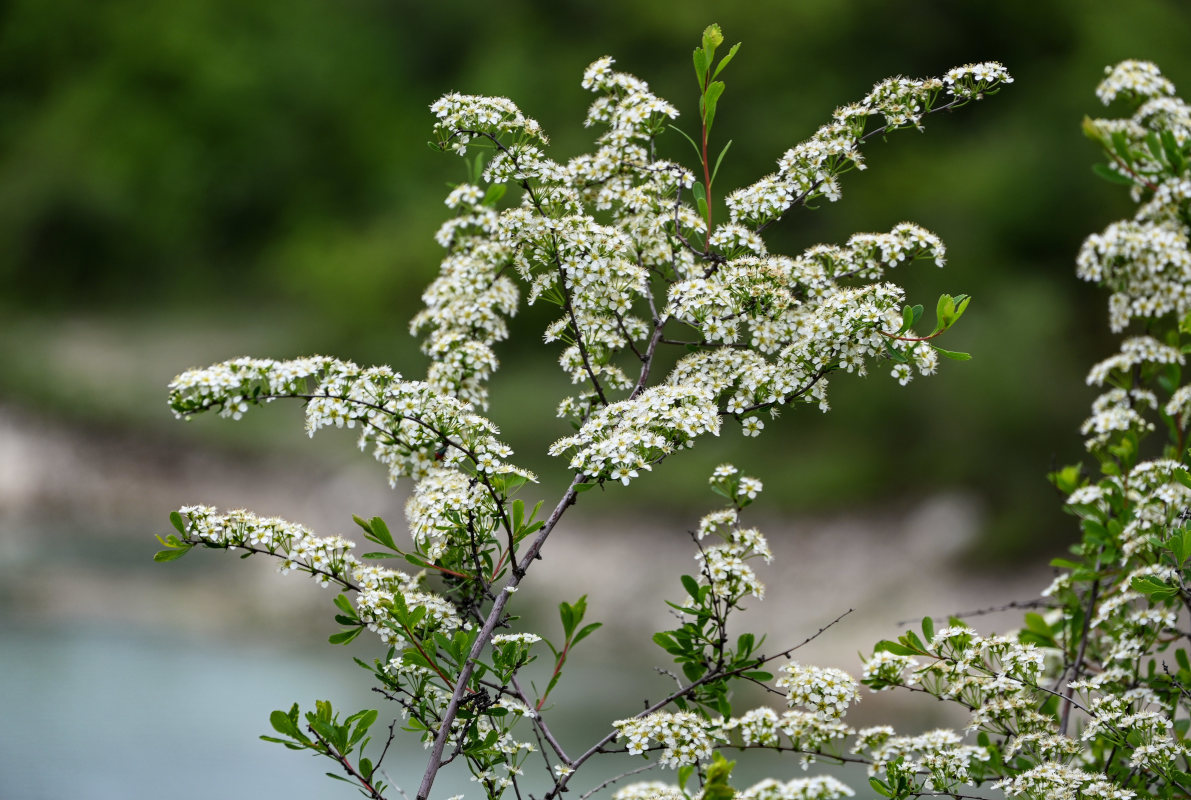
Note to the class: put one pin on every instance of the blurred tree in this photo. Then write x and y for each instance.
(243, 159)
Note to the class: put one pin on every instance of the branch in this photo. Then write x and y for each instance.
(347, 766)
(649, 709)
(621, 776)
(1065, 714)
(485, 636)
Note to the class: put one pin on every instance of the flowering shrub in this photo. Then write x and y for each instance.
(1089, 699)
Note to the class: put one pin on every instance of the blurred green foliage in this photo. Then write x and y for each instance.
(262, 164)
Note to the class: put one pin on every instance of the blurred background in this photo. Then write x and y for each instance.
(188, 182)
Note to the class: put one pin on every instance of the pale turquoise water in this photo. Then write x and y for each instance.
(111, 714)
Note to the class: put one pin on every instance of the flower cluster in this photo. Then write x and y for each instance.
(1133, 79)
(649, 790)
(685, 737)
(812, 168)
(826, 691)
(1062, 782)
(462, 117)
(1145, 260)
(409, 425)
(939, 754)
(468, 302)
(630, 435)
(820, 787)
(328, 559)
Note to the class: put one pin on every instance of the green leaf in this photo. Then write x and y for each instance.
(584, 487)
(895, 355)
(667, 643)
(954, 355)
(363, 721)
(381, 531)
(1174, 153)
(700, 59)
(695, 147)
(291, 745)
(566, 614)
(284, 724)
(1153, 588)
(895, 648)
(943, 310)
(724, 61)
(1121, 145)
(713, 37)
(1111, 175)
(518, 514)
(691, 585)
(344, 604)
(1180, 545)
(710, 99)
(416, 560)
(495, 192)
(172, 554)
(880, 787)
(343, 637)
(758, 675)
(177, 521)
(907, 320)
(928, 628)
(719, 159)
(587, 630)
